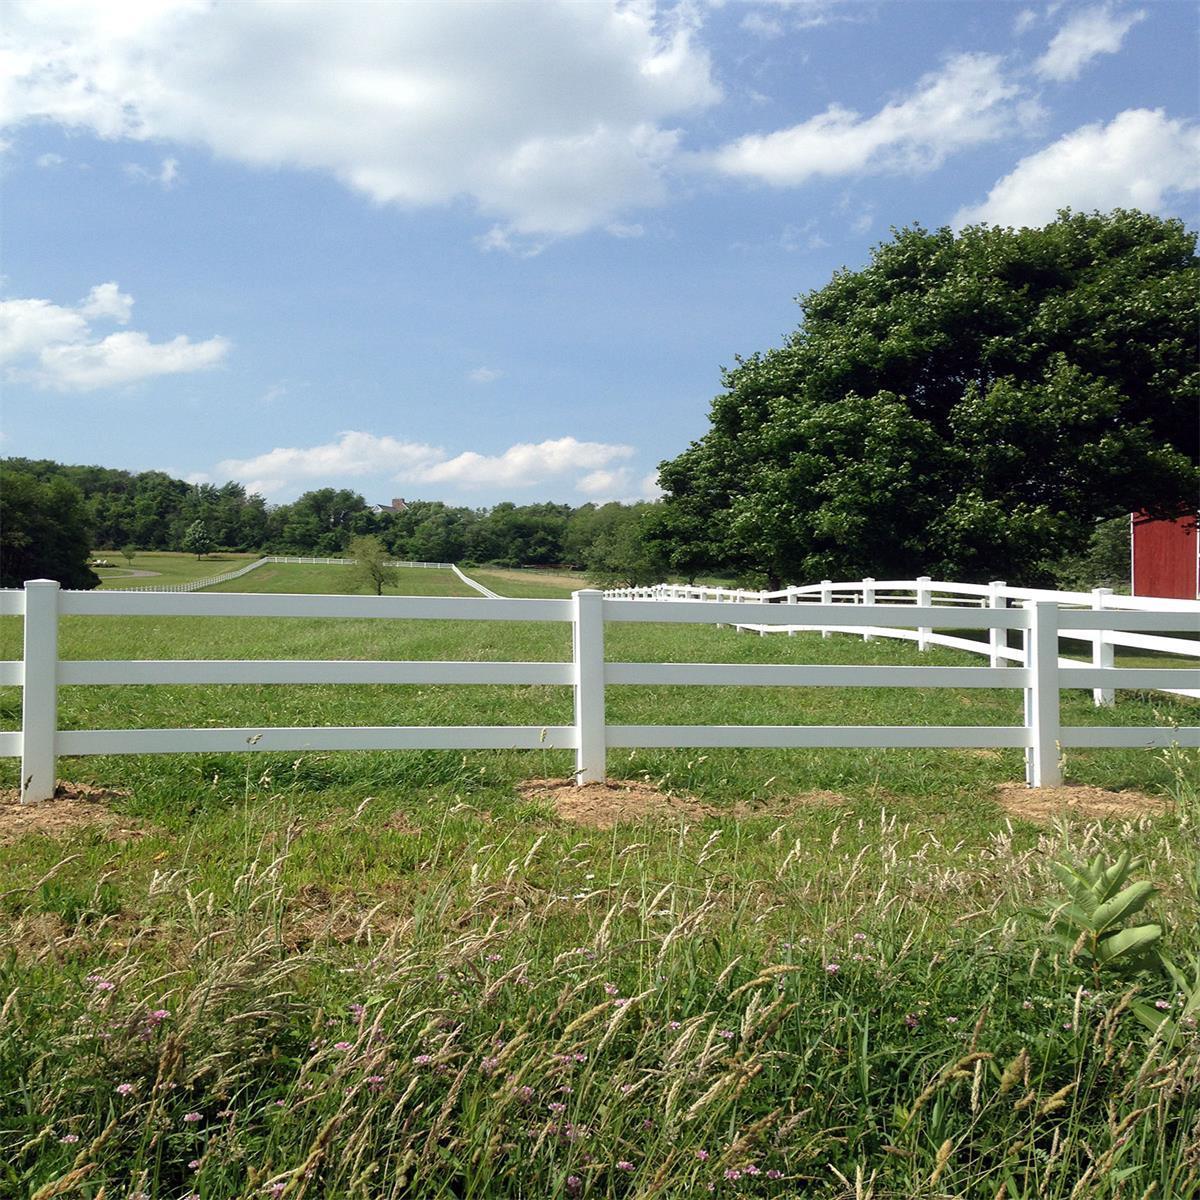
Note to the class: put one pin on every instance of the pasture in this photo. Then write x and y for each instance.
(822, 973)
(165, 567)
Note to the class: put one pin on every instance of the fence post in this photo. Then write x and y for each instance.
(590, 756)
(1102, 651)
(792, 598)
(924, 599)
(39, 699)
(997, 638)
(868, 597)
(826, 598)
(1042, 765)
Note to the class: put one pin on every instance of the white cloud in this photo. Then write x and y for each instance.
(485, 375)
(356, 454)
(353, 454)
(605, 483)
(521, 465)
(1024, 21)
(968, 102)
(49, 160)
(552, 117)
(167, 175)
(106, 300)
(1138, 160)
(54, 346)
(1087, 33)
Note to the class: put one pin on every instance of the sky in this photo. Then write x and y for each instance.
(491, 251)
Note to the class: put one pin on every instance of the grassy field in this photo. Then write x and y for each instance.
(168, 567)
(806, 973)
(311, 578)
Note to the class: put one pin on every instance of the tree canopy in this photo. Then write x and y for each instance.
(44, 532)
(967, 404)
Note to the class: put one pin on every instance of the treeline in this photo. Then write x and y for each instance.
(151, 510)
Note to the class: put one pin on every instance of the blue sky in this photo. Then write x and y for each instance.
(488, 251)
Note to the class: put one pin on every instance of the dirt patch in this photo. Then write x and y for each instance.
(75, 807)
(603, 805)
(399, 822)
(1086, 803)
(782, 806)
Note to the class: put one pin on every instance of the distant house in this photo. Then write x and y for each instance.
(398, 504)
(1165, 557)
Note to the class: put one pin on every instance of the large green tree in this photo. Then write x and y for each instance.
(968, 405)
(45, 532)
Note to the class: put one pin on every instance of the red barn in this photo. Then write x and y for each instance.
(1166, 561)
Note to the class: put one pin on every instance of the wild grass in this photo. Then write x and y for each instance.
(380, 975)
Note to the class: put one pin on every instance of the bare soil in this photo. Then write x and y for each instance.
(1086, 803)
(603, 805)
(75, 807)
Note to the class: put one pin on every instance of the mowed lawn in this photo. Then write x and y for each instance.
(822, 973)
(167, 567)
(309, 578)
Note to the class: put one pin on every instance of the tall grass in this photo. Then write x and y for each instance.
(867, 1011)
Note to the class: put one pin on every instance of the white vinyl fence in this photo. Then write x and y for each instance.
(1178, 616)
(40, 742)
(198, 585)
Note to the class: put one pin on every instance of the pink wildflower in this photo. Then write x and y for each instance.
(192, 1117)
(342, 1045)
(625, 1165)
(833, 968)
(124, 1089)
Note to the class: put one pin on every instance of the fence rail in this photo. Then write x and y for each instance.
(1042, 674)
(1103, 637)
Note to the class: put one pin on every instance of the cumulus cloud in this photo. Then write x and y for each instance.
(552, 117)
(523, 464)
(55, 346)
(966, 103)
(1087, 33)
(352, 454)
(355, 454)
(1137, 160)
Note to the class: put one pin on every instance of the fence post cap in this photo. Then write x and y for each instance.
(42, 583)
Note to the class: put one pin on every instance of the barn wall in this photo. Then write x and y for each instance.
(1165, 558)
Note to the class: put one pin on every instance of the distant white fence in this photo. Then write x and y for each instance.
(40, 742)
(198, 585)
(1178, 615)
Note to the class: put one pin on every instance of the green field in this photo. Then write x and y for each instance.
(822, 974)
(167, 567)
(312, 578)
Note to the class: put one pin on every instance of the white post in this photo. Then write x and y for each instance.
(826, 598)
(589, 687)
(868, 597)
(792, 598)
(924, 599)
(1103, 654)
(39, 702)
(1042, 765)
(997, 638)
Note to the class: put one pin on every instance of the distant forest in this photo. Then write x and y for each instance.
(153, 511)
